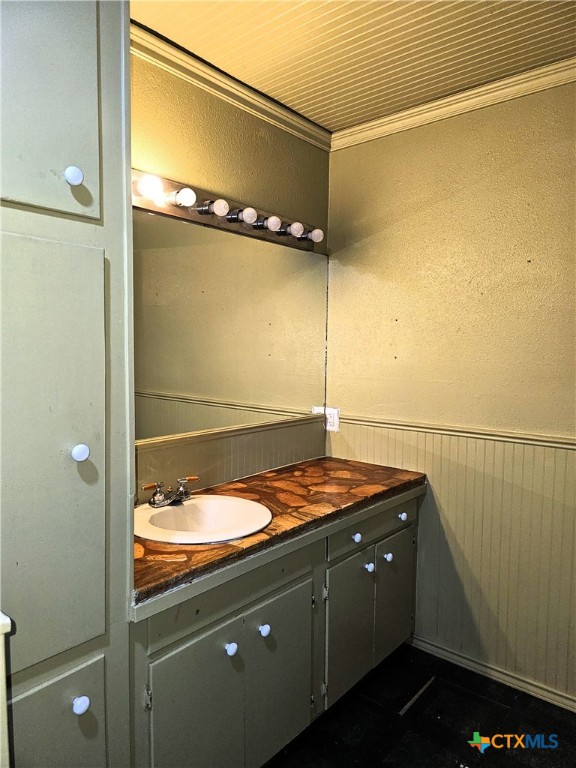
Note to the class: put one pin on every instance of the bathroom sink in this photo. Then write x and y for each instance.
(201, 519)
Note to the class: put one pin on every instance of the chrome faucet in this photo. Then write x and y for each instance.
(161, 499)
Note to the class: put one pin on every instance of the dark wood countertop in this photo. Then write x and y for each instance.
(300, 496)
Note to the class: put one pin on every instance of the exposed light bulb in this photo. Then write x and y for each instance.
(248, 215)
(185, 197)
(273, 223)
(296, 229)
(218, 207)
(316, 235)
(150, 186)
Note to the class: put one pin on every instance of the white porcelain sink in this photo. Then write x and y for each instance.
(201, 519)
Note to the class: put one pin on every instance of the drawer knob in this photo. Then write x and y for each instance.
(388, 557)
(231, 649)
(403, 516)
(370, 567)
(357, 537)
(264, 629)
(80, 452)
(74, 175)
(81, 705)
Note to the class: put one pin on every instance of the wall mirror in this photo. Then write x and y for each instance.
(229, 331)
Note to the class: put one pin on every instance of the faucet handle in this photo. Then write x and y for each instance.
(183, 492)
(188, 479)
(150, 486)
(158, 495)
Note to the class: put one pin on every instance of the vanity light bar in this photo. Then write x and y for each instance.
(171, 198)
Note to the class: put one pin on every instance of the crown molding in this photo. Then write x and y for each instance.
(150, 48)
(509, 88)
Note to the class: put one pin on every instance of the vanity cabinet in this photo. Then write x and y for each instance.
(370, 596)
(238, 693)
(233, 691)
(227, 677)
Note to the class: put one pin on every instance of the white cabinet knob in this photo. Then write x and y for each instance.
(264, 629)
(80, 452)
(370, 567)
(403, 516)
(80, 705)
(231, 648)
(388, 557)
(74, 175)
(357, 537)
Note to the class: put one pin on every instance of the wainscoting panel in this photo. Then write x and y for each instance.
(497, 538)
(219, 456)
(159, 413)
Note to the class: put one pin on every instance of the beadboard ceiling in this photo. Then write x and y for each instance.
(343, 63)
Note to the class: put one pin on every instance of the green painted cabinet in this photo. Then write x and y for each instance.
(49, 58)
(395, 559)
(235, 694)
(278, 640)
(74, 739)
(197, 704)
(66, 446)
(370, 607)
(53, 523)
(350, 622)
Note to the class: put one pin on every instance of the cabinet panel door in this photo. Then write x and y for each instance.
(279, 672)
(350, 623)
(394, 592)
(197, 716)
(49, 59)
(52, 379)
(47, 733)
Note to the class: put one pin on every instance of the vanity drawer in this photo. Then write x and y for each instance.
(358, 535)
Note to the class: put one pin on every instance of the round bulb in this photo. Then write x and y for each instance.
(317, 235)
(249, 215)
(185, 197)
(296, 229)
(219, 207)
(273, 223)
(150, 186)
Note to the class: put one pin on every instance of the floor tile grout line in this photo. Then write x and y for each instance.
(477, 693)
(416, 696)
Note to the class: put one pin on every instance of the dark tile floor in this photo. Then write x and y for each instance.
(375, 724)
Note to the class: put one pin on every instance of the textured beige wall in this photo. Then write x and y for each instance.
(452, 271)
(452, 303)
(187, 134)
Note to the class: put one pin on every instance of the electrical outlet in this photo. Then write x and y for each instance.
(332, 419)
(317, 409)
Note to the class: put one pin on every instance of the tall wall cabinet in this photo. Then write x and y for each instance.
(65, 408)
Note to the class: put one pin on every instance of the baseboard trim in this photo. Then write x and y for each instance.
(488, 670)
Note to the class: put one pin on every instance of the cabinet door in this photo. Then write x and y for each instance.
(394, 592)
(350, 622)
(47, 732)
(52, 379)
(278, 637)
(197, 716)
(49, 60)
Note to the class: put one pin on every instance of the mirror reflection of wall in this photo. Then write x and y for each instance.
(229, 330)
